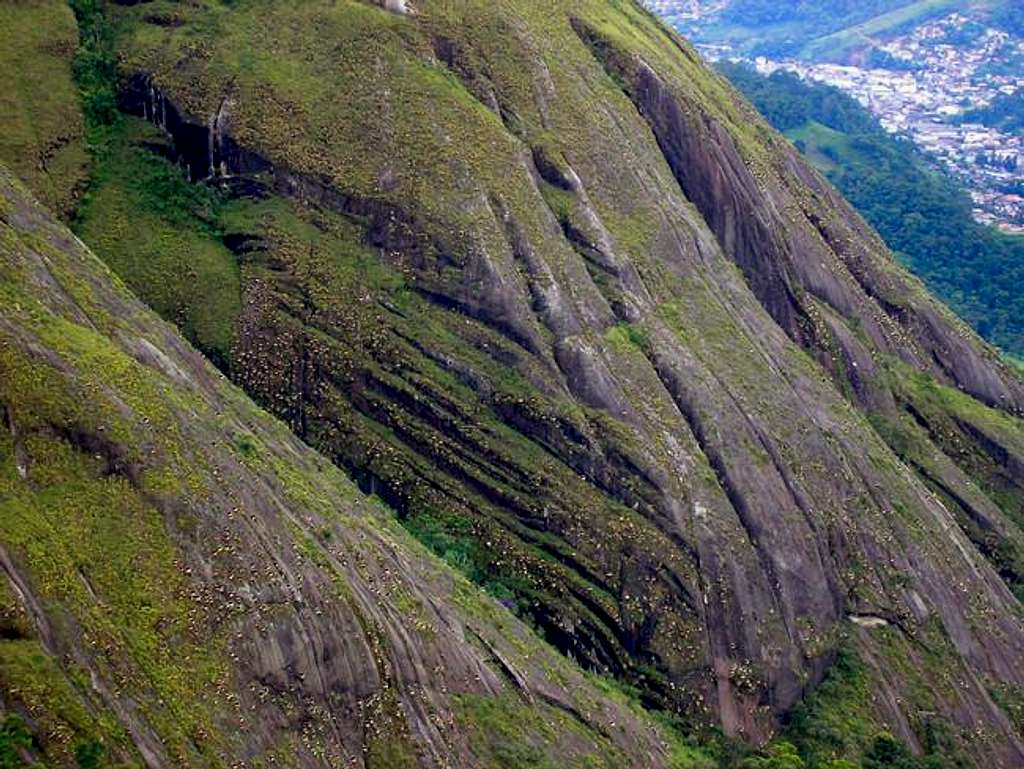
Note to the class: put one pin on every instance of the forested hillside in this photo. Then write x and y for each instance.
(1005, 113)
(828, 31)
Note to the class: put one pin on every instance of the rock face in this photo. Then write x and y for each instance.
(542, 282)
(397, 6)
(185, 583)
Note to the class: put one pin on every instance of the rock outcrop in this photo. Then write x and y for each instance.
(539, 279)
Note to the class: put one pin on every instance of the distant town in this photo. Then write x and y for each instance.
(680, 12)
(931, 77)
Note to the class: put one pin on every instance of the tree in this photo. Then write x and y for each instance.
(777, 755)
(14, 741)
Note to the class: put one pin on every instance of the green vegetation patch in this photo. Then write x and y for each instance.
(503, 735)
(836, 727)
(837, 721)
(949, 412)
(42, 131)
(159, 233)
(95, 68)
(15, 739)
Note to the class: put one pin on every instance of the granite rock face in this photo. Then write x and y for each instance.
(539, 279)
(187, 583)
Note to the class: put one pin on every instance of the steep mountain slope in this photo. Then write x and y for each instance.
(922, 211)
(185, 583)
(538, 278)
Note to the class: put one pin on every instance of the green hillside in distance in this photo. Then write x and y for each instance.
(816, 31)
(1006, 113)
(920, 211)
